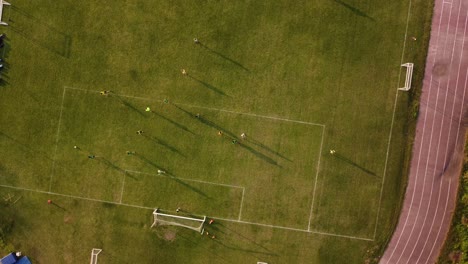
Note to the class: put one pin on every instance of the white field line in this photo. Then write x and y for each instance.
(76, 197)
(241, 204)
(295, 229)
(255, 115)
(210, 108)
(420, 148)
(438, 145)
(425, 177)
(123, 185)
(152, 209)
(56, 141)
(392, 122)
(316, 177)
(185, 179)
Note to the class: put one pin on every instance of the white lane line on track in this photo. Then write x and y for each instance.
(449, 133)
(420, 151)
(456, 142)
(427, 180)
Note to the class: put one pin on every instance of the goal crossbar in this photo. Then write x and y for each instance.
(94, 254)
(176, 220)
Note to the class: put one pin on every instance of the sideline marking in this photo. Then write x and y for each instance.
(152, 209)
(392, 123)
(316, 177)
(242, 202)
(209, 108)
(56, 141)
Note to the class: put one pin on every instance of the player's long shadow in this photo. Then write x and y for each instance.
(268, 252)
(149, 161)
(59, 207)
(259, 144)
(183, 110)
(207, 85)
(209, 123)
(259, 154)
(164, 144)
(174, 123)
(169, 175)
(26, 25)
(127, 104)
(354, 9)
(343, 158)
(224, 57)
(110, 164)
(219, 257)
(29, 149)
(234, 137)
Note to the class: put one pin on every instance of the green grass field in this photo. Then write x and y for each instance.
(298, 78)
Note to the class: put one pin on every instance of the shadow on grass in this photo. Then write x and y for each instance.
(354, 9)
(127, 104)
(174, 123)
(234, 137)
(171, 176)
(109, 164)
(164, 144)
(209, 86)
(143, 158)
(343, 158)
(264, 250)
(259, 154)
(29, 149)
(185, 111)
(50, 38)
(261, 145)
(196, 243)
(225, 57)
(231, 136)
(58, 206)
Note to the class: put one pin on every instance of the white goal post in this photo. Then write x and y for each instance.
(183, 221)
(94, 253)
(409, 76)
(2, 2)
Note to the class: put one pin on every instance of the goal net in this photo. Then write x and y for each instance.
(175, 220)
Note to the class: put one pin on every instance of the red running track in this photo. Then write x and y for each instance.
(438, 149)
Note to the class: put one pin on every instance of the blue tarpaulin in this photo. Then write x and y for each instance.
(23, 260)
(8, 259)
(12, 259)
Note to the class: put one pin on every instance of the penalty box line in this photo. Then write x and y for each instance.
(239, 113)
(209, 108)
(56, 141)
(190, 180)
(152, 209)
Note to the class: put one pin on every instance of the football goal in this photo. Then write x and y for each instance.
(2, 3)
(409, 76)
(183, 221)
(94, 253)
